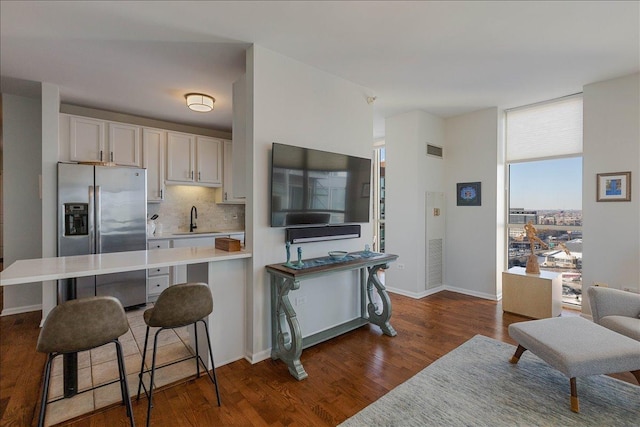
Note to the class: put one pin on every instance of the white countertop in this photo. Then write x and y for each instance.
(41, 269)
(187, 235)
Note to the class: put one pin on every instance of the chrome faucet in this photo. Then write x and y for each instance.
(192, 225)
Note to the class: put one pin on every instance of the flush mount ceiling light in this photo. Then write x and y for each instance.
(199, 102)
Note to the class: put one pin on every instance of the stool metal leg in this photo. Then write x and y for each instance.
(45, 389)
(144, 354)
(124, 387)
(195, 332)
(153, 372)
(213, 366)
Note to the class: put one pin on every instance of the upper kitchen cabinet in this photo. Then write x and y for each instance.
(180, 157)
(86, 139)
(209, 161)
(195, 160)
(228, 194)
(94, 140)
(124, 144)
(153, 146)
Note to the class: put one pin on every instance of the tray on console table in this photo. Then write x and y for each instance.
(287, 342)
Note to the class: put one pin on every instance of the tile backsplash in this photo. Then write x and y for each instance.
(174, 211)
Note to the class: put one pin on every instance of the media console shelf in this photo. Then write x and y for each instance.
(287, 342)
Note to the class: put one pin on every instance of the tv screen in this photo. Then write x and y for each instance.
(313, 187)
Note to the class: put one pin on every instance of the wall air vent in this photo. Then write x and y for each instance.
(434, 151)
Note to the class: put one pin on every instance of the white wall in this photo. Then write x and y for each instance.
(410, 174)
(293, 103)
(472, 244)
(22, 154)
(50, 106)
(611, 247)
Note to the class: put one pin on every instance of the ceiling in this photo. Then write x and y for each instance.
(445, 58)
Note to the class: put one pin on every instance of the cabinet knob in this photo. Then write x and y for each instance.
(158, 285)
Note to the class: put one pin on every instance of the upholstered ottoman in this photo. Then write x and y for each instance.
(577, 347)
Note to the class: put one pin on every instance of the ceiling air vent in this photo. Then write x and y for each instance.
(434, 150)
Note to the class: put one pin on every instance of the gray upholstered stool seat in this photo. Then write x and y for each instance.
(80, 325)
(177, 306)
(577, 347)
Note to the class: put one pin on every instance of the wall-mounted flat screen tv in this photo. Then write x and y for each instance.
(313, 187)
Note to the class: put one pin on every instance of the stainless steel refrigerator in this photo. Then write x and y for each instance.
(103, 209)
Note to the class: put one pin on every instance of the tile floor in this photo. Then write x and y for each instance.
(99, 366)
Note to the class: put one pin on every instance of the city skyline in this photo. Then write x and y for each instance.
(546, 184)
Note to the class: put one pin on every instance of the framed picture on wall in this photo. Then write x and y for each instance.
(469, 193)
(613, 187)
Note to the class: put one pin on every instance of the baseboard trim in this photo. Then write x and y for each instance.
(416, 295)
(473, 293)
(258, 357)
(19, 310)
(422, 294)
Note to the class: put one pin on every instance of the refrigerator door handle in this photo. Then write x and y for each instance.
(98, 215)
(92, 234)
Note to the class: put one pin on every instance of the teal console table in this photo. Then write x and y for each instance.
(287, 342)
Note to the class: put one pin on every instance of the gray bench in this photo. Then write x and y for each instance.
(577, 347)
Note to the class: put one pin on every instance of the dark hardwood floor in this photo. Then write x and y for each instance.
(345, 374)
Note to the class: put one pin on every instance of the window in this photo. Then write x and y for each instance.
(544, 161)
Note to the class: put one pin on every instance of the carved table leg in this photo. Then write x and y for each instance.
(379, 318)
(286, 336)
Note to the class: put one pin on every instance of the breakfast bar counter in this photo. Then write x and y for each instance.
(223, 271)
(71, 267)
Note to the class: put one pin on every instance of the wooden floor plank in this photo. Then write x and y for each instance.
(345, 374)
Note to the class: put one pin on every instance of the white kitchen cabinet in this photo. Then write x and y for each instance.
(209, 160)
(94, 140)
(227, 195)
(195, 160)
(180, 157)
(124, 146)
(155, 286)
(153, 142)
(158, 279)
(86, 139)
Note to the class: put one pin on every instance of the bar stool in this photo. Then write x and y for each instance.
(80, 325)
(177, 306)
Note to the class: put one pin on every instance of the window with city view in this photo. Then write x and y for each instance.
(544, 160)
(549, 193)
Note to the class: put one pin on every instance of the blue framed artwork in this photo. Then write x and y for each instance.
(469, 194)
(613, 187)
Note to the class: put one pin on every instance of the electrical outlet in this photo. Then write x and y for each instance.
(301, 300)
(400, 266)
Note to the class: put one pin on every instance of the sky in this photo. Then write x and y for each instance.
(547, 184)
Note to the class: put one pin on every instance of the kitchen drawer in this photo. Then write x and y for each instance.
(158, 244)
(157, 284)
(158, 271)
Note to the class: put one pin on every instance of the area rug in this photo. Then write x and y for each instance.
(475, 385)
